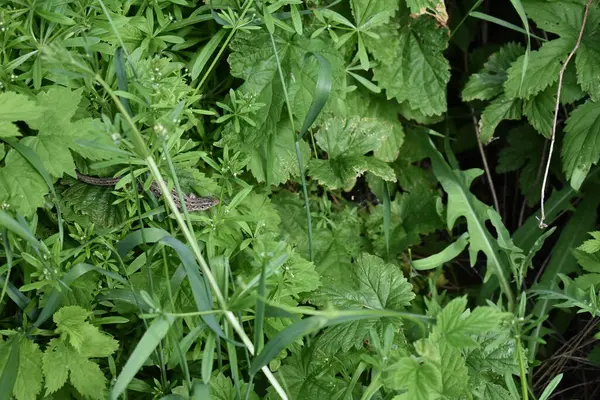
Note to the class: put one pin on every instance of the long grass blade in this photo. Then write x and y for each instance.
(145, 347)
(10, 372)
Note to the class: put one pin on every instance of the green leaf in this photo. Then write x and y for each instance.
(252, 59)
(10, 369)
(500, 109)
(581, 149)
(29, 380)
(448, 254)
(539, 110)
(560, 17)
(411, 66)
(461, 202)
(489, 82)
(200, 60)
(542, 71)
(588, 65)
(592, 245)
(371, 284)
(18, 107)
(151, 338)
(456, 327)
(346, 142)
(422, 379)
(61, 361)
(70, 321)
(55, 362)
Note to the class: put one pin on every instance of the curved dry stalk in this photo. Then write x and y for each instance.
(542, 218)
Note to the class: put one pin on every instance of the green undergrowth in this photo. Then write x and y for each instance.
(379, 167)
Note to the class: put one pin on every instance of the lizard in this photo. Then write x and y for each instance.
(192, 202)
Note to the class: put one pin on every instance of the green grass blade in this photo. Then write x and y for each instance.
(387, 205)
(202, 57)
(57, 295)
(448, 254)
(208, 357)
(550, 388)
(15, 295)
(322, 91)
(284, 339)
(200, 291)
(134, 239)
(9, 223)
(521, 11)
(121, 73)
(10, 372)
(507, 25)
(145, 347)
(314, 323)
(260, 312)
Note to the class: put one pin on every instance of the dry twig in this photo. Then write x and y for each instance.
(542, 218)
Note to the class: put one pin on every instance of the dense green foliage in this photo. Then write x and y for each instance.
(380, 166)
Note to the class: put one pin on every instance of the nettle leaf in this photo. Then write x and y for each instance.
(539, 110)
(489, 82)
(370, 283)
(253, 60)
(222, 388)
(93, 205)
(346, 142)
(410, 63)
(279, 150)
(581, 149)
(358, 102)
(500, 109)
(495, 354)
(588, 65)
(560, 17)
(455, 326)
(542, 70)
(28, 383)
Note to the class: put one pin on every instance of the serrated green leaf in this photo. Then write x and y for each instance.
(70, 321)
(539, 110)
(560, 17)
(422, 379)
(542, 71)
(581, 149)
(55, 362)
(500, 109)
(346, 142)
(588, 66)
(29, 380)
(489, 81)
(411, 66)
